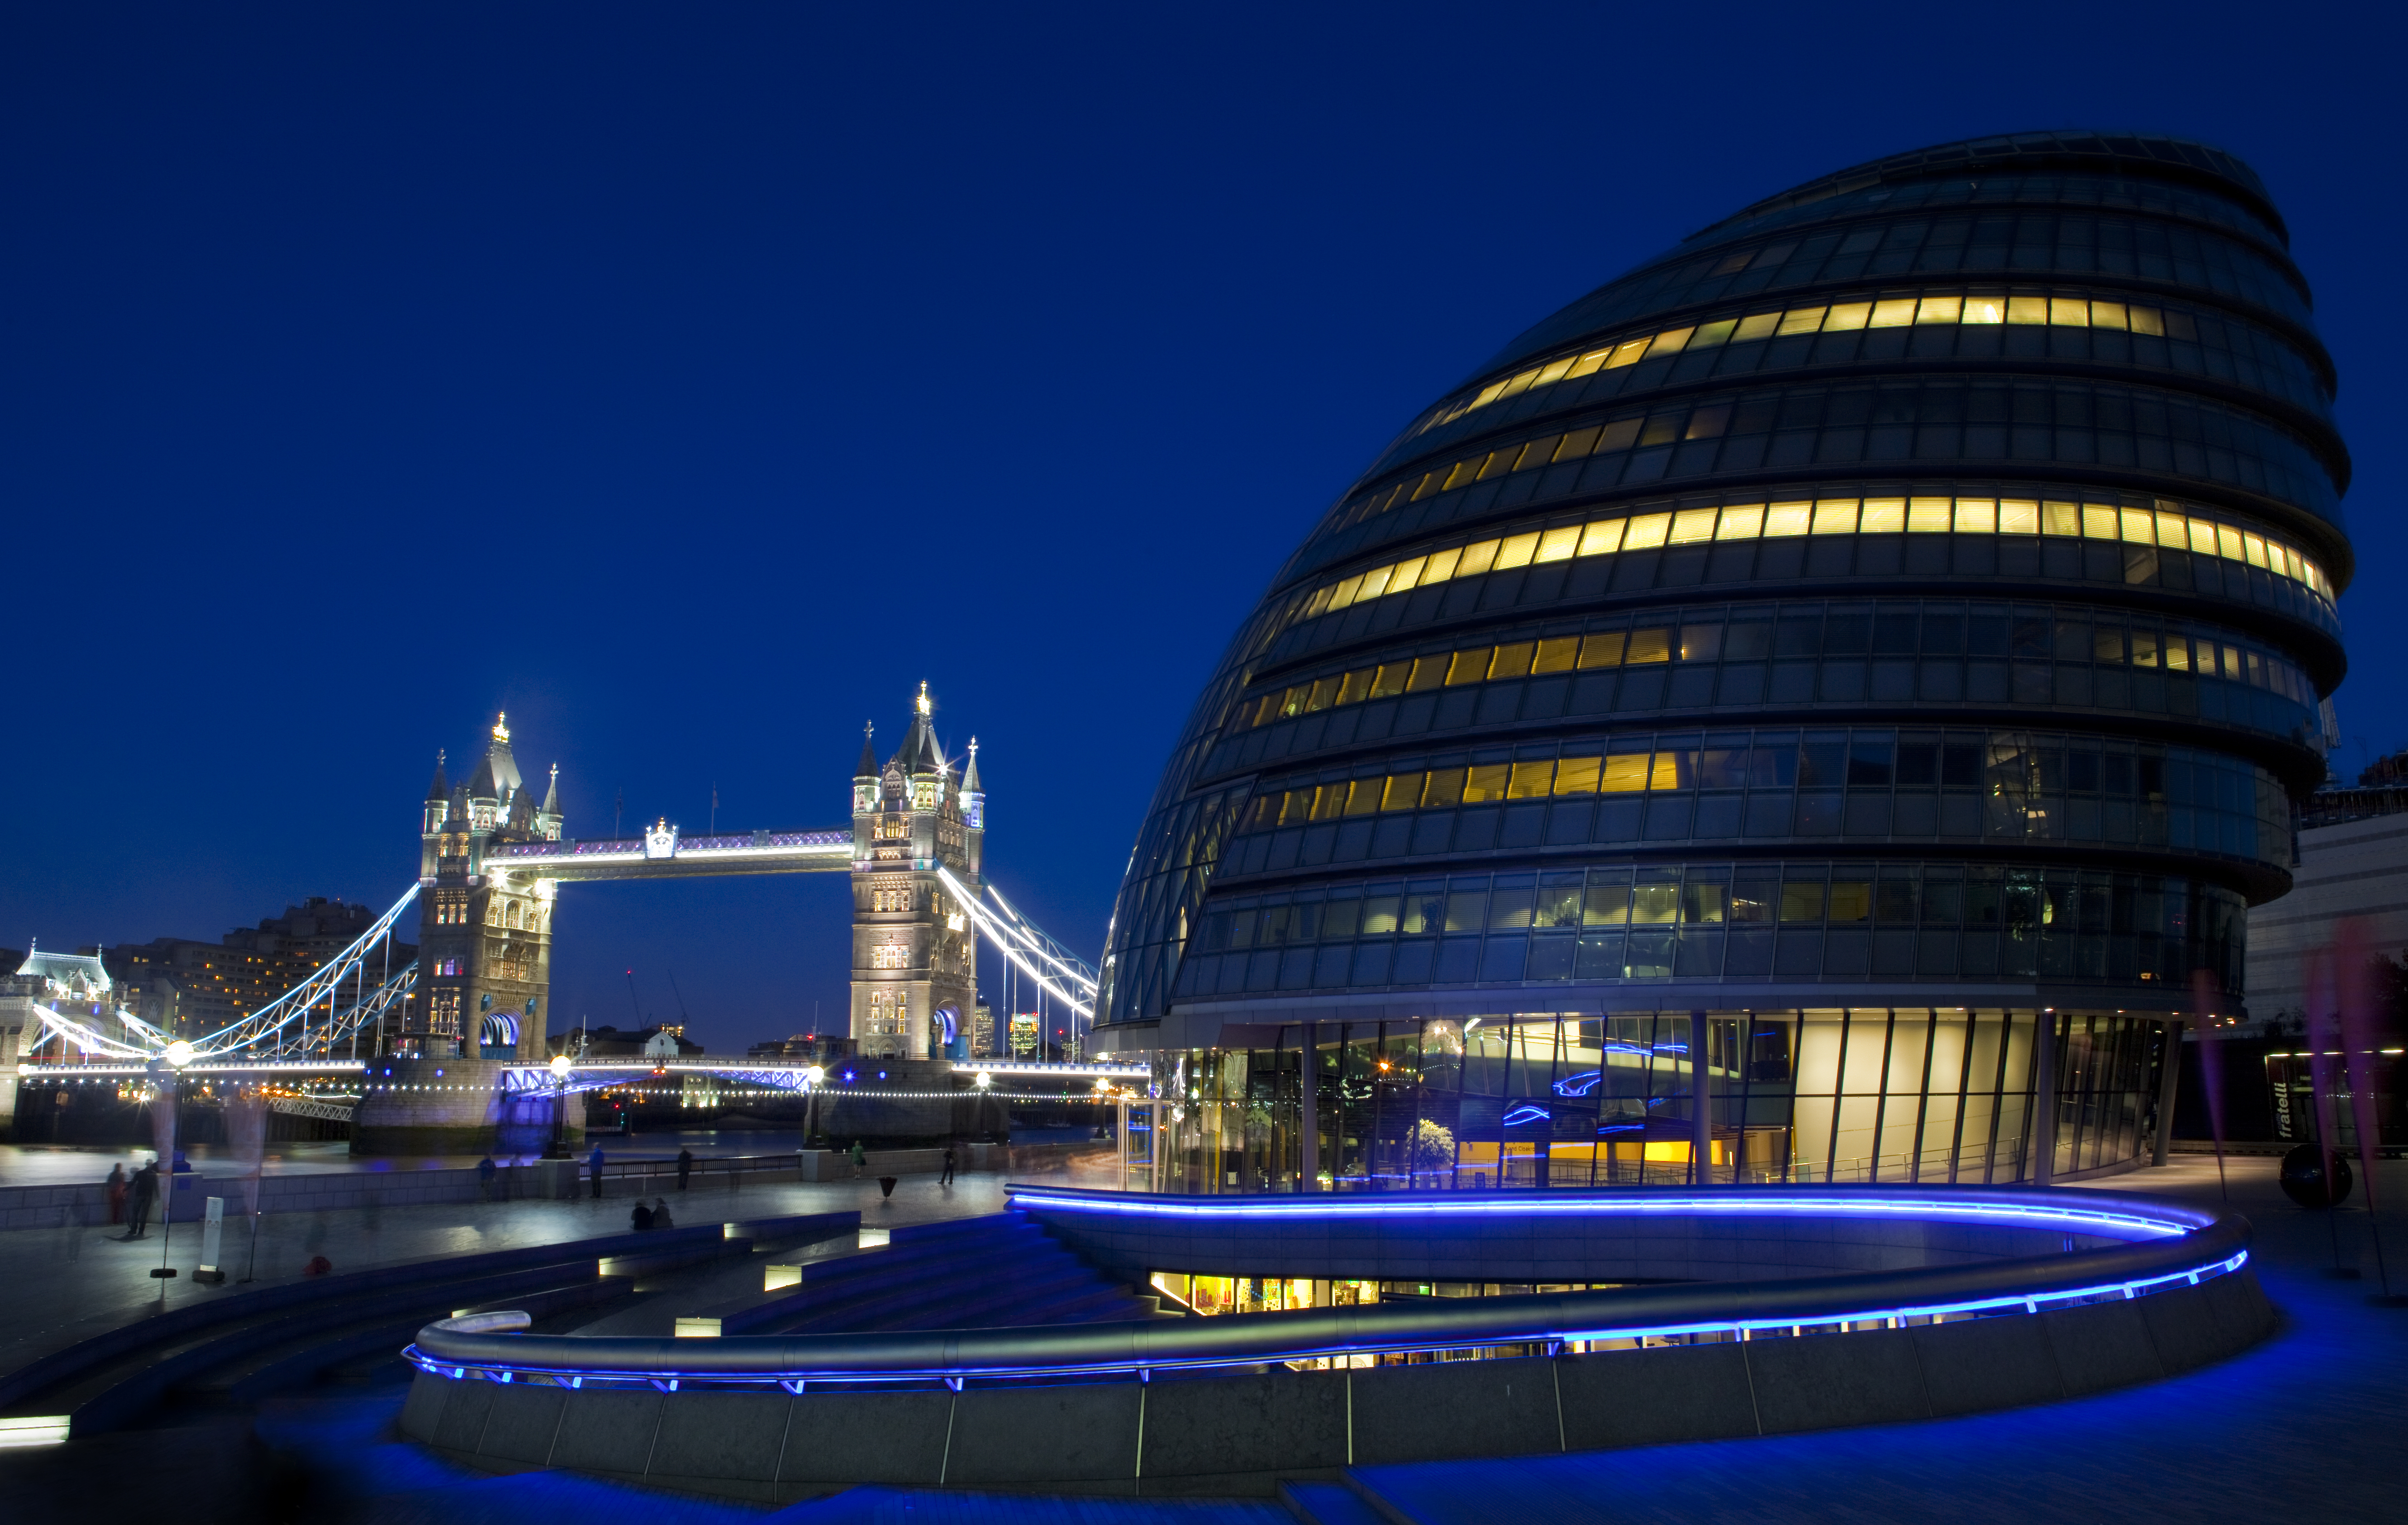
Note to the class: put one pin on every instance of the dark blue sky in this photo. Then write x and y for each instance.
(693, 381)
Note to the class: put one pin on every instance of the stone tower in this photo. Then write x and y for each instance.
(914, 966)
(485, 939)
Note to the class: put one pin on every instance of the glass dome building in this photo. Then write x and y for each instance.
(1815, 708)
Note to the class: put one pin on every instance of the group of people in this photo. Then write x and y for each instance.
(654, 1217)
(860, 1157)
(132, 1197)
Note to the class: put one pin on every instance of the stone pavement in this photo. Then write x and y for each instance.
(2304, 1427)
(63, 1164)
(68, 1283)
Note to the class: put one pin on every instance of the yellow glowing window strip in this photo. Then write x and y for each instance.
(1647, 644)
(1827, 516)
(1923, 310)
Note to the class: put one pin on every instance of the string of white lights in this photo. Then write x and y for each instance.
(1004, 935)
(1069, 963)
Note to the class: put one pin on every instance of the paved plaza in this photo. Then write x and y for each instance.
(68, 1284)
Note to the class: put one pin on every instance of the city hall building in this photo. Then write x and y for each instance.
(1816, 708)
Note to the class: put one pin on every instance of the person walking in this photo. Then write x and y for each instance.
(661, 1218)
(860, 1160)
(145, 1192)
(593, 1162)
(115, 1185)
(640, 1219)
(946, 1179)
(485, 1170)
(685, 1167)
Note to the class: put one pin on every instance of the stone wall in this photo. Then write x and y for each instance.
(1241, 1433)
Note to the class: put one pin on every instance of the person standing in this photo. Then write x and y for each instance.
(685, 1167)
(485, 1168)
(946, 1179)
(146, 1191)
(640, 1219)
(593, 1162)
(661, 1218)
(860, 1160)
(115, 1185)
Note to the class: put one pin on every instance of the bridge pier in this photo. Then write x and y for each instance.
(453, 1107)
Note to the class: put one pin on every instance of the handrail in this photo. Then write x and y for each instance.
(2166, 1244)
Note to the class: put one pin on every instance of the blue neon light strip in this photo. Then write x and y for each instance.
(1724, 1203)
(466, 1346)
(794, 1380)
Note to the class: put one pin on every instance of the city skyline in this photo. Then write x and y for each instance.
(517, 394)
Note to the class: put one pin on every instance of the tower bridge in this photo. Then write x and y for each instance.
(492, 860)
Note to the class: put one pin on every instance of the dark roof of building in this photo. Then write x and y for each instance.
(439, 788)
(2064, 147)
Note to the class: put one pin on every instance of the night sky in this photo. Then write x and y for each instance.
(690, 383)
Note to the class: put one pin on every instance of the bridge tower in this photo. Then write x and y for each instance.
(915, 966)
(484, 937)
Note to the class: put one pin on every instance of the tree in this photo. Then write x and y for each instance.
(1433, 1148)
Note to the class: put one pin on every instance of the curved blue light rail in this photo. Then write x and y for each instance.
(2128, 1217)
(2161, 1244)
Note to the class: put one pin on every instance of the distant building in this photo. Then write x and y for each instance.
(802, 1049)
(667, 1041)
(74, 985)
(2353, 866)
(189, 989)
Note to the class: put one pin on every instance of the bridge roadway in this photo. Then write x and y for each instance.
(796, 1075)
(589, 1075)
(666, 854)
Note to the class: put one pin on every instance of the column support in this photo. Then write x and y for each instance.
(2044, 1099)
(1701, 1104)
(1308, 1107)
(2167, 1083)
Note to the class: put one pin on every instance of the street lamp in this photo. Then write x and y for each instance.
(559, 1149)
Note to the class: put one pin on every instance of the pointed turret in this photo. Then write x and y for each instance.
(973, 794)
(920, 753)
(865, 774)
(552, 794)
(438, 810)
(504, 767)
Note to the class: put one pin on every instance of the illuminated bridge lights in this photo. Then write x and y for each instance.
(2162, 1246)
(54, 1070)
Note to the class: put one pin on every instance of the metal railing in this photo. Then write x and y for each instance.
(2165, 1244)
(725, 1166)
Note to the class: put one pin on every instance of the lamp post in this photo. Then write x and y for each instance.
(559, 1147)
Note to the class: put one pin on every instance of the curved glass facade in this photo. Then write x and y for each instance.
(1908, 603)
